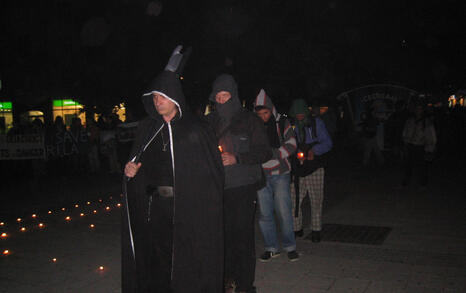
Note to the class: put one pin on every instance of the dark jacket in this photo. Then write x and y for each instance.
(241, 133)
(198, 200)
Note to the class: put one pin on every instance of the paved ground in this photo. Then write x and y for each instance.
(425, 251)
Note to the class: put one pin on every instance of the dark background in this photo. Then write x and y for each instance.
(103, 52)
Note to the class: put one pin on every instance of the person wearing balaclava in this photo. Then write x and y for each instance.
(308, 165)
(244, 145)
(172, 222)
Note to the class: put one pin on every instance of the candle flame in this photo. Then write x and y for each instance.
(300, 155)
(4, 235)
(6, 252)
(220, 148)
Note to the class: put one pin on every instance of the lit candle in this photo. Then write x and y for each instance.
(220, 148)
(100, 200)
(300, 155)
(41, 225)
(23, 229)
(94, 211)
(76, 205)
(54, 259)
(81, 214)
(68, 218)
(107, 208)
(18, 220)
(92, 226)
(88, 202)
(4, 235)
(118, 204)
(101, 268)
(34, 215)
(63, 209)
(2, 223)
(49, 212)
(6, 252)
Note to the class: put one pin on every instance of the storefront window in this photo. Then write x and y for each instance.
(6, 116)
(33, 114)
(120, 110)
(68, 109)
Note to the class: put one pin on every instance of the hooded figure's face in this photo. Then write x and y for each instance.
(164, 106)
(300, 116)
(264, 114)
(222, 97)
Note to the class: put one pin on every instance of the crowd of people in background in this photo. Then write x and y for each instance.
(71, 152)
(97, 149)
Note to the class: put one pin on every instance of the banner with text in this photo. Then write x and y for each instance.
(22, 147)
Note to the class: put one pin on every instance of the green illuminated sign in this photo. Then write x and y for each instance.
(64, 103)
(6, 106)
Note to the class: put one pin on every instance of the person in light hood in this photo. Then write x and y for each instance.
(172, 224)
(275, 197)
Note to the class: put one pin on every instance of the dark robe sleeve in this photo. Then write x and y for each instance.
(198, 236)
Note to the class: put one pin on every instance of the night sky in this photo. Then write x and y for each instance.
(104, 51)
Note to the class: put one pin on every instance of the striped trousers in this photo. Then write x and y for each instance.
(312, 185)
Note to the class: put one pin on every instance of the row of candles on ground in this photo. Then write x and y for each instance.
(4, 235)
(54, 260)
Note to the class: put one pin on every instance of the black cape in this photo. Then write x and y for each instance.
(198, 206)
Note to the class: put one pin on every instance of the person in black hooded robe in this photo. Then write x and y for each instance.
(172, 224)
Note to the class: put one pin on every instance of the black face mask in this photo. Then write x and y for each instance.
(228, 109)
(271, 129)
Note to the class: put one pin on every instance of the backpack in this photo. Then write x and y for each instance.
(308, 166)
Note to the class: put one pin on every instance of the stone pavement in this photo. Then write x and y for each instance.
(424, 252)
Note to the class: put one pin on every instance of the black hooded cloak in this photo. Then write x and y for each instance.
(198, 176)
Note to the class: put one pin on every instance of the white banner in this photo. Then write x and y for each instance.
(22, 147)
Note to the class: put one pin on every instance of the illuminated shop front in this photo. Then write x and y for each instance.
(35, 114)
(456, 100)
(120, 110)
(68, 109)
(6, 116)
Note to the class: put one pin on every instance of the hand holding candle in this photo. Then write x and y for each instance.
(228, 159)
(300, 156)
